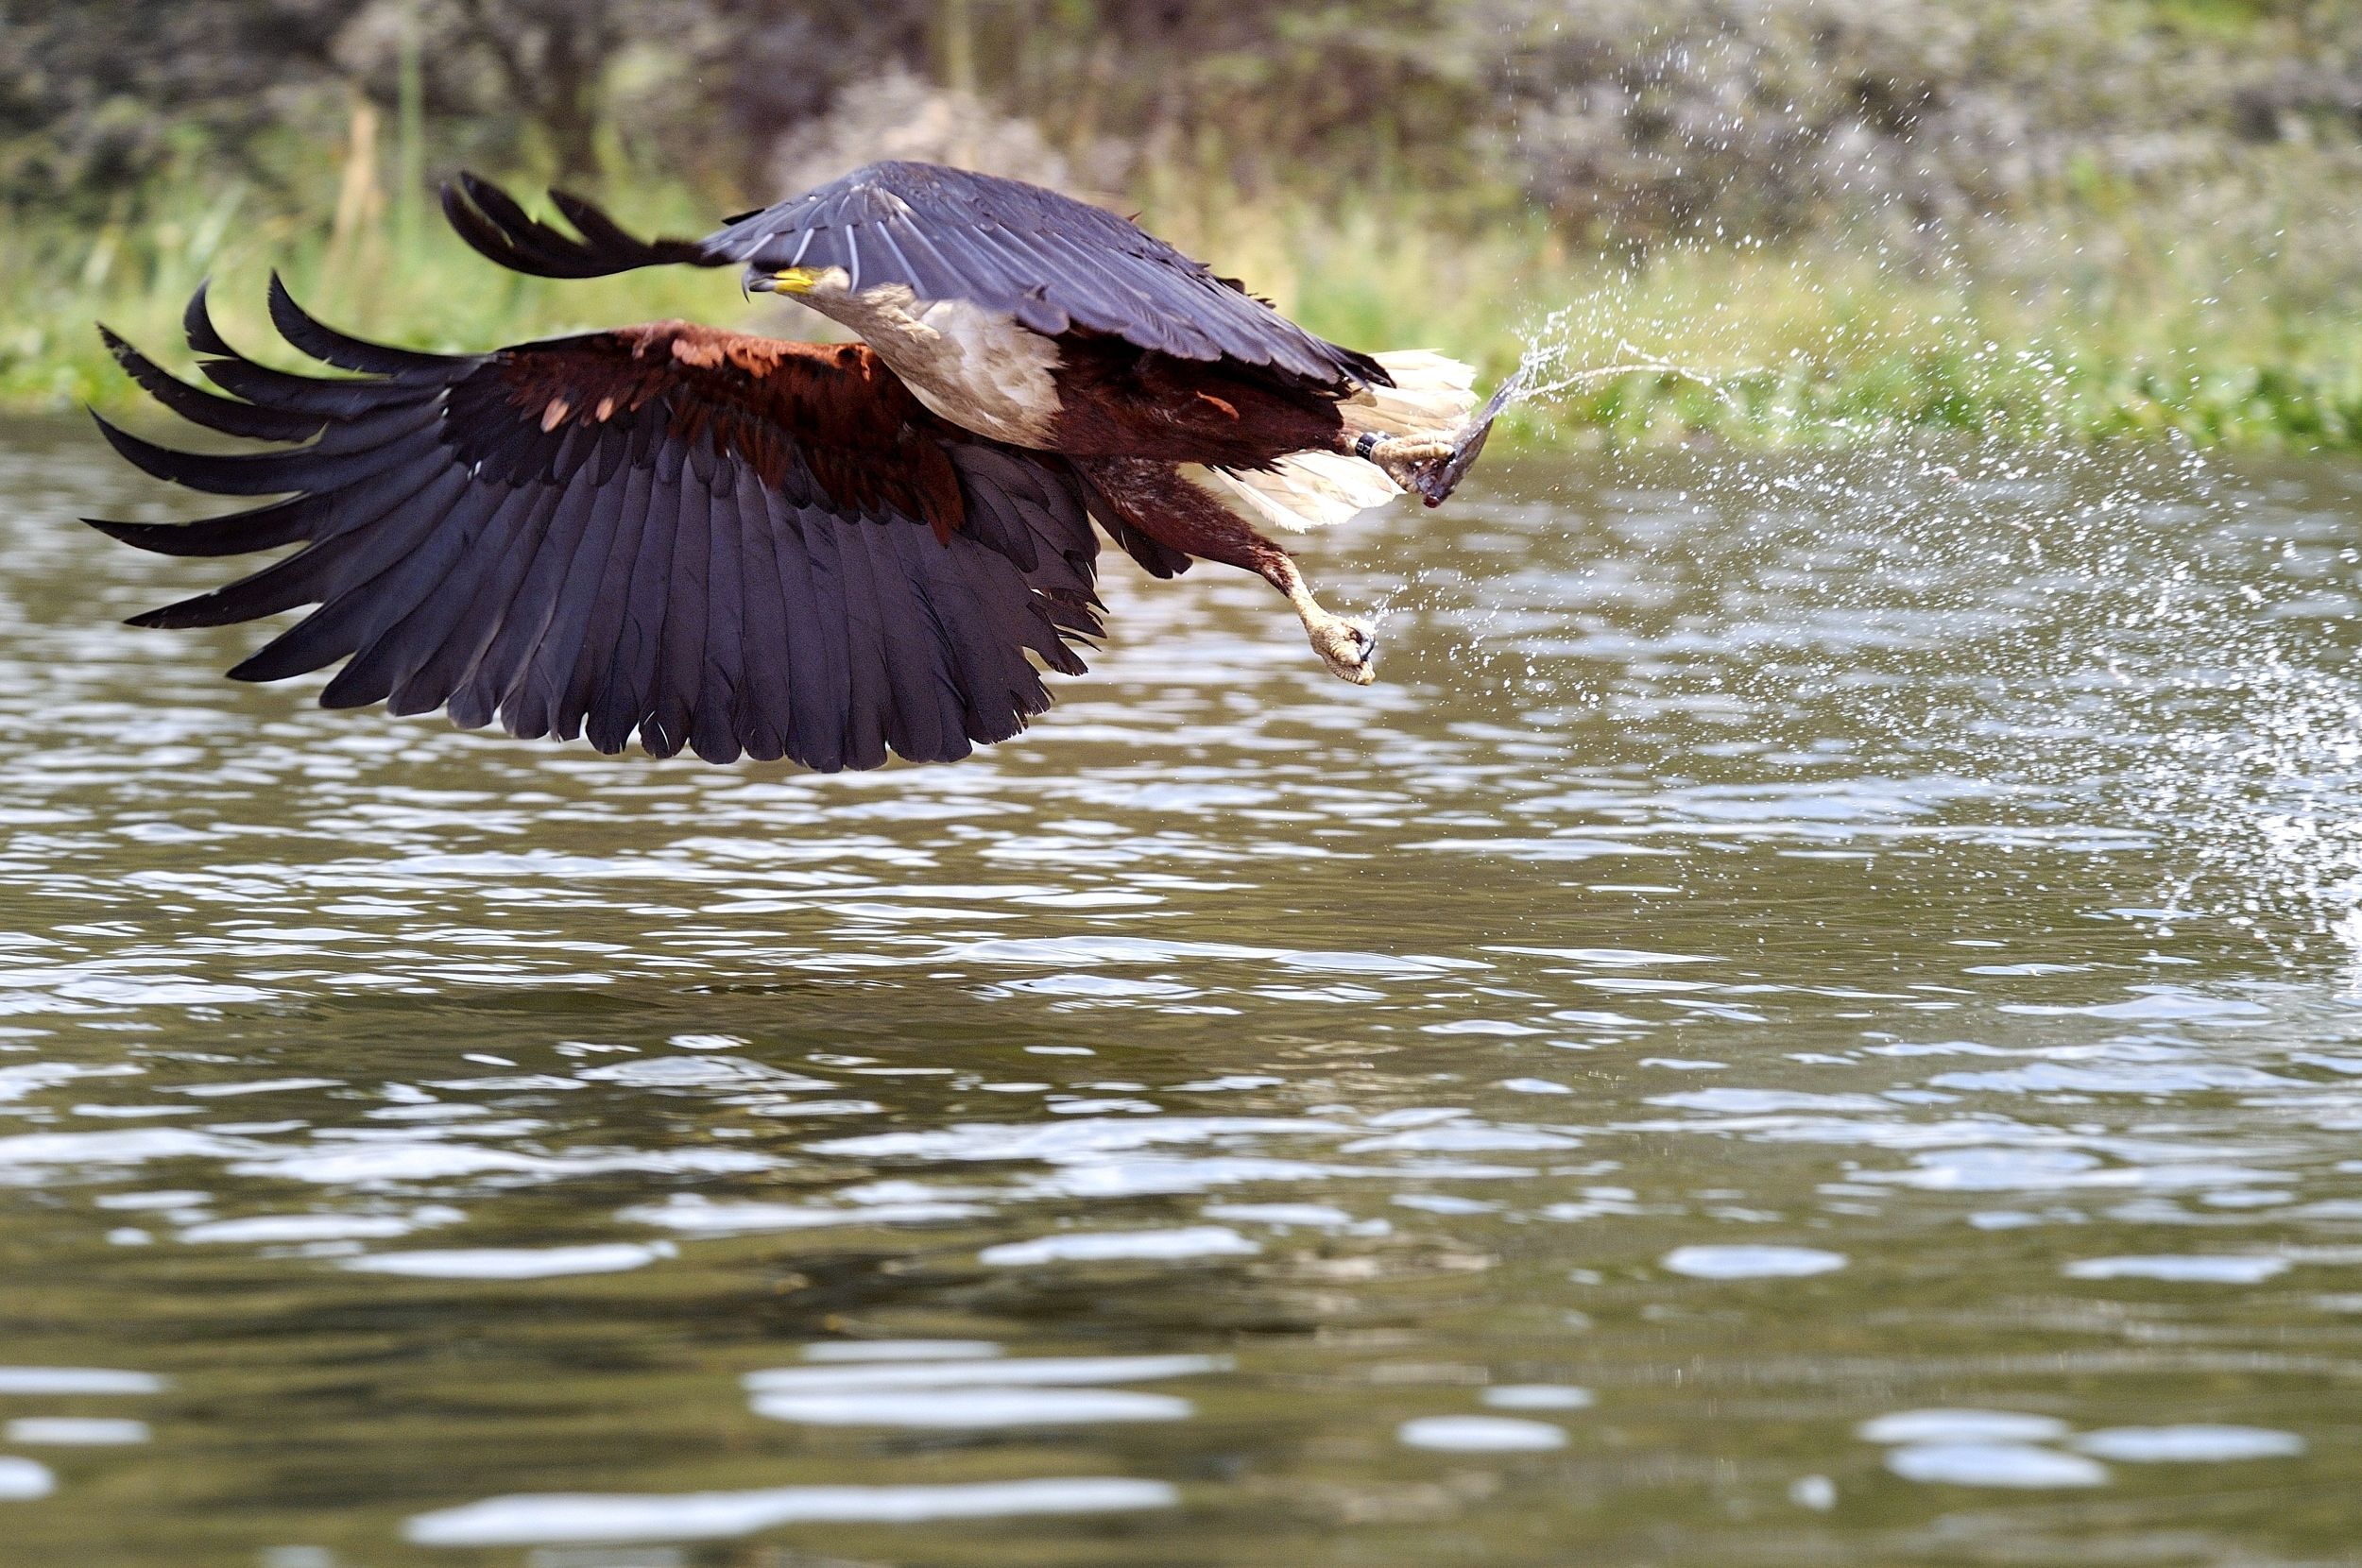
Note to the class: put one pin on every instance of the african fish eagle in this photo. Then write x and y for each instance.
(748, 546)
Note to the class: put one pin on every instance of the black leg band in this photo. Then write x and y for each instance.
(1365, 443)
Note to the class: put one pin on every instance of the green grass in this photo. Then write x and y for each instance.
(2088, 324)
(2092, 324)
(401, 277)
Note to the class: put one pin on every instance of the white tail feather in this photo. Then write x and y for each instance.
(1432, 395)
(1303, 490)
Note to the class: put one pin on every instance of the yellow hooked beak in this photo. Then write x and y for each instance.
(794, 279)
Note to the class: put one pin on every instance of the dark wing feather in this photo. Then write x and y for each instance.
(1047, 259)
(489, 219)
(451, 631)
(709, 541)
(818, 679)
(841, 577)
(523, 672)
(602, 587)
(331, 346)
(765, 684)
(200, 407)
(1051, 261)
(390, 614)
(714, 733)
(521, 669)
(678, 669)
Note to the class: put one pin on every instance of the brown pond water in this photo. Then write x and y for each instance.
(1811, 1018)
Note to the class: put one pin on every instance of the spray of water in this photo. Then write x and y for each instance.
(1547, 366)
(2133, 631)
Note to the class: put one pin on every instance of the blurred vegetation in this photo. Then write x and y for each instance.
(2038, 216)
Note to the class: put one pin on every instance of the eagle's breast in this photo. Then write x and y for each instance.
(978, 368)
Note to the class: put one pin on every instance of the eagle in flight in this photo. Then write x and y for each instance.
(748, 546)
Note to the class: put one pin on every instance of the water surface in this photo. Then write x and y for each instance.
(1811, 1018)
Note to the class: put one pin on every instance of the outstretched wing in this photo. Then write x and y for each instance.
(728, 542)
(1053, 262)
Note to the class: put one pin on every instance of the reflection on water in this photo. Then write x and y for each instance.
(1810, 1018)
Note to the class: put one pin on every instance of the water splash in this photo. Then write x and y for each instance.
(2203, 694)
(1549, 365)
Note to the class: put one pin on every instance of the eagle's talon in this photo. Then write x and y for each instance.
(1412, 462)
(1349, 648)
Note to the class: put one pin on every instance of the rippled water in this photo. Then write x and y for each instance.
(1811, 1018)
